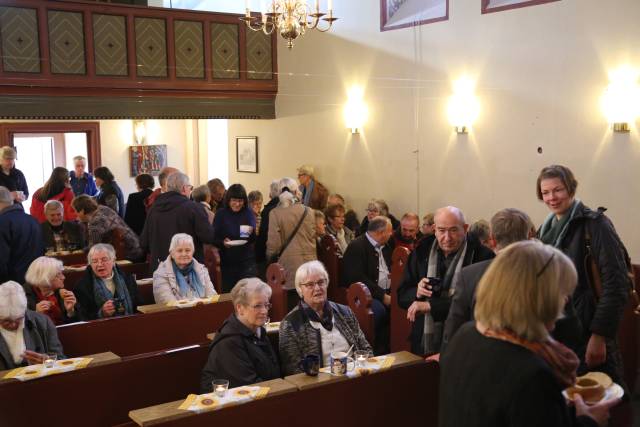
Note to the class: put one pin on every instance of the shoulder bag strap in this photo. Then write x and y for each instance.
(593, 275)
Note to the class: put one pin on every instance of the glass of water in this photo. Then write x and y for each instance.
(220, 387)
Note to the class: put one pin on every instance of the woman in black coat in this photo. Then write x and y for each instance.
(506, 370)
(110, 193)
(241, 351)
(136, 213)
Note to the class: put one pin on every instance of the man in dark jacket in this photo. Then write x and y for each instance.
(59, 234)
(11, 177)
(440, 257)
(20, 239)
(263, 232)
(172, 213)
(368, 260)
(408, 234)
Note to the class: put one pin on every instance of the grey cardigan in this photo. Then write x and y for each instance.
(298, 338)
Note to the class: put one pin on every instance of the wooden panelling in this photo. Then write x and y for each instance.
(151, 47)
(66, 42)
(189, 49)
(225, 51)
(20, 49)
(259, 63)
(110, 44)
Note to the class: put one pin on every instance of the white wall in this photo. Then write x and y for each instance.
(540, 73)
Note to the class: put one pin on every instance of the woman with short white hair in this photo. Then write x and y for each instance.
(25, 336)
(241, 351)
(46, 277)
(180, 276)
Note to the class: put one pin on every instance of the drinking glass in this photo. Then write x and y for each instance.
(50, 360)
(361, 357)
(220, 387)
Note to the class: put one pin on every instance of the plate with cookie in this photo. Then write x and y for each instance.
(594, 387)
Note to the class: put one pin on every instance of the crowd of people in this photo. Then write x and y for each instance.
(546, 303)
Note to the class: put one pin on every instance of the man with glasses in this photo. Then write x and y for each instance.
(173, 213)
(432, 274)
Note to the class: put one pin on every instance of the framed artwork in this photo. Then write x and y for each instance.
(247, 154)
(396, 14)
(147, 159)
(490, 6)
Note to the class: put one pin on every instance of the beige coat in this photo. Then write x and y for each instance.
(165, 284)
(282, 222)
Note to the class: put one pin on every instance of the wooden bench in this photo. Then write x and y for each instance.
(103, 395)
(400, 326)
(360, 299)
(276, 279)
(143, 333)
(329, 255)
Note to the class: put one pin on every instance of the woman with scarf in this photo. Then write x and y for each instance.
(317, 325)
(180, 276)
(105, 290)
(58, 188)
(516, 372)
(578, 231)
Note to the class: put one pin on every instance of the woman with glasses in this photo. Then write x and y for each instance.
(235, 231)
(49, 296)
(241, 351)
(377, 207)
(335, 226)
(317, 325)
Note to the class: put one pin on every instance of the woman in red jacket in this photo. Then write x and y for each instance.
(58, 188)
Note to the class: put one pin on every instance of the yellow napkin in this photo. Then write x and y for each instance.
(183, 303)
(234, 396)
(38, 371)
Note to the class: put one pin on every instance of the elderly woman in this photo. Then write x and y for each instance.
(105, 290)
(58, 234)
(377, 207)
(517, 372)
(335, 226)
(321, 225)
(49, 296)
(202, 195)
(241, 351)
(317, 325)
(180, 276)
(255, 203)
(25, 336)
(292, 231)
(579, 231)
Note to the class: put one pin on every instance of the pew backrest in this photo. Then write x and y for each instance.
(276, 278)
(329, 254)
(212, 262)
(360, 300)
(400, 326)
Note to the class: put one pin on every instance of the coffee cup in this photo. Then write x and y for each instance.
(245, 231)
(310, 364)
(341, 363)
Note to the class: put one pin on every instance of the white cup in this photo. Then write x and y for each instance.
(245, 231)
(339, 362)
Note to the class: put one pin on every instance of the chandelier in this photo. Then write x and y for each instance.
(292, 18)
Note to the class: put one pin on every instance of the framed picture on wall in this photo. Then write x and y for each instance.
(396, 14)
(489, 6)
(247, 154)
(147, 159)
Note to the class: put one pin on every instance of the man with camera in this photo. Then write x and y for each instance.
(432, 274)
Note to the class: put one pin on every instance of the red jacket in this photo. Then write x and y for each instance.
(37, 206)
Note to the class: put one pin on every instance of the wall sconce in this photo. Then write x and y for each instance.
(139, 132)
(463, 108)
(355, 110)
(621, 99)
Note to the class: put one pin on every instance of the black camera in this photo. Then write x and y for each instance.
(118, 304)
(435, 285)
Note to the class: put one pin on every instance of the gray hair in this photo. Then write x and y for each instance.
(53, 205)
(13, 302)
(176, 181)
(201, 193)
(5, 196)
(7, 152)
(78, 158)
(101, 247)
(180, 239)
(273, 189)
(246, 287)
(255, 196)
(378, 223)
(288, 198)
(42, 271)
(309, 269)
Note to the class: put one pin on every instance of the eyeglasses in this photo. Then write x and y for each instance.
(546, 264)
(322, 283)
(97, 261)
(257, 307)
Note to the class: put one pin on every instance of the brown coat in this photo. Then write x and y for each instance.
(282, 222)
(319, 196)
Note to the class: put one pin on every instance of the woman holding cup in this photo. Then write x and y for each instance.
(241, 352)
(49, 296)
(316, 325)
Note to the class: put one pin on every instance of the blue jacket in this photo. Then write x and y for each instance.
(84, 184)
(20, 243)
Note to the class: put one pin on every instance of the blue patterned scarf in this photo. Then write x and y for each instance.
(188, 281)
(102, 294)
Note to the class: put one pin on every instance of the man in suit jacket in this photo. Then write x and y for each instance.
(437, 257)
(368, 260)
(59, 234)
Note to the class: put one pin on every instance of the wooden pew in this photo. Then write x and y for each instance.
(117, 241)
(143, 333)
(103, 395)
(400, 326)
(328, 254)
(360, 300)
(212, 262)
(276, 279)
(74, 258)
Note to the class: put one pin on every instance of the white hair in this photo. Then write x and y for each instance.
(13, 302)
(274, 191)
(176, 181)
(101, 247)
(246, 287)
(181, 239)
(308, 269)
(52, 205)
(42, 270)
(288, 189)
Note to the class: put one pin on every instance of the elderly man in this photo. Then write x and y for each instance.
(10, 177)
(408, 234)
(20, 239)
(314, 194)
(432, 274)
(174, 213)
(162, 179)
(25, 336)
(368, 260)
(217, 189)
(58, 234)
(507, 226)
(82, 182)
